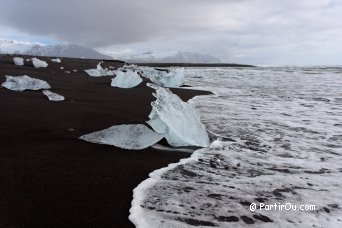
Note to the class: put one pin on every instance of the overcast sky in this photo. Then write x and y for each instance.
(268, 32)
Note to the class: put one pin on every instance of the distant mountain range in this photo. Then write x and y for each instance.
(179, 57)
(190, 57)
(14, 47)
(78, 51)
(68, 50)
(60, 50)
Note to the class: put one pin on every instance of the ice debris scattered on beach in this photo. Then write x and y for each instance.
(131, 67)
(178, 120)
(99, 71)
(127, 79)
(18, 61)
(166, 78)
(171, 77)
(37, 63)
(56, 60)
(130, 136)
(53, 96)
(21, 83)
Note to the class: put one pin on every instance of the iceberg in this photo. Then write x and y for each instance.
(99, 71)
(128, 79)
(131, 67)
(53, 96)
(178, 120)
(18, 61)
(21, 83)
(56, 60)
(130, 136)
(37, 63)
(166, 78)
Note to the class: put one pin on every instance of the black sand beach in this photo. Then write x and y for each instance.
(50, 178)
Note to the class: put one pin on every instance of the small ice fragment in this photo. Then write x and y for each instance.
(56, 60)
(62, 68)
(21, 83)
(53, 96)
(99, 71)
(131, 136)
(166, 78)
(18, 61)
(177, 119)
(37, 63)
(128, 79)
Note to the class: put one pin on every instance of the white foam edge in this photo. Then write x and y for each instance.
(136, 211)
(210, 133)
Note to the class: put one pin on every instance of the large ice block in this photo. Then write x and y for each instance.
(166, 78)
(18, 61)
(56, 60)
(130, 136)
(21, 83)
(128, 79)
(99, 71)
(37, 63)
(179, 120)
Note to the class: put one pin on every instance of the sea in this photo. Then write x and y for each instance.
(275, 159)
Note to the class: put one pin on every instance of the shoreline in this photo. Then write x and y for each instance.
(193, 65)
(51, 178)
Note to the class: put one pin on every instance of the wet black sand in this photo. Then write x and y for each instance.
(50, 178)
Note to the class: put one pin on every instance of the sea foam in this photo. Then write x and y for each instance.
(285, 148)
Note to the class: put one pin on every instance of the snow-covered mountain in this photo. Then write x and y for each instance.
(14, 47)
(179, 57)
(78, 51)
(66, 50)
(60, 50)
(190, 57)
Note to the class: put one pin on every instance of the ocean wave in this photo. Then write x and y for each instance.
(284, 149)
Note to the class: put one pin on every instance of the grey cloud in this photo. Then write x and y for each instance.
(234, 30)
(104, 22)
